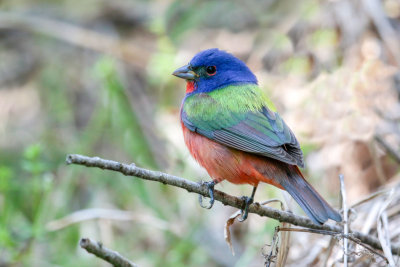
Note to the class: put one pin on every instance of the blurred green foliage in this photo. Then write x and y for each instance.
(25, 194)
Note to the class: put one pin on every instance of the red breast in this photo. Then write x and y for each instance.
(222, 162)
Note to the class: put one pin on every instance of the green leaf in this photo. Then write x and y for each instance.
(32, 152)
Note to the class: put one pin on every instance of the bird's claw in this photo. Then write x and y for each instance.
(245, 209)
(210, 187)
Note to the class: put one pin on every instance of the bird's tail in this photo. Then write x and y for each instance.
(308, 198)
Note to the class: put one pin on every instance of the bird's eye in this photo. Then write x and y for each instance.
(211, 70)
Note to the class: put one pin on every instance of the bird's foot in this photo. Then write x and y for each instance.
(210, 187)
(245, 209)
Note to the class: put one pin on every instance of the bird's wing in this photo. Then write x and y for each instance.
(260, 132)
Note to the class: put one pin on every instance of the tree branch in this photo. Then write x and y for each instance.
(106, 254)
(282, 216)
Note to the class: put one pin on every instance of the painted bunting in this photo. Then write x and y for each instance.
(230, 131)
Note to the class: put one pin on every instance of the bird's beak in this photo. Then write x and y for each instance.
(185, 73)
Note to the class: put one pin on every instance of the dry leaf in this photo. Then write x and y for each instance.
(227, 232)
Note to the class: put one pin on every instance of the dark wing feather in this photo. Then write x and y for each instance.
(262, 132)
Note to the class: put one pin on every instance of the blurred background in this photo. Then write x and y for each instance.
(94, 77)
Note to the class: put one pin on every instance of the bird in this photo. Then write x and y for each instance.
(230, 130)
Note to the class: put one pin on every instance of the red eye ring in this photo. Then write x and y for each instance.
(211, 70)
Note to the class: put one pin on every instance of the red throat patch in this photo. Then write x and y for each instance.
(189, 87)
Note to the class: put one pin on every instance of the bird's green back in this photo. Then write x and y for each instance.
(233, 98)
(238, 116)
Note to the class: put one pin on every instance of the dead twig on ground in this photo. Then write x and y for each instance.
(345, 220)
(338, 235)
(382, 228)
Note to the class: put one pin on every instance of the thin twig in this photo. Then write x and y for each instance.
(284, 246)
(222, 197)
(106, 254)
(383, 26)
(329, 250)
(108, 214)
(368, 198)
(390, 150)
(382, 228)
(76, 35)
(335, 234)
(345, 221)
(274, 246)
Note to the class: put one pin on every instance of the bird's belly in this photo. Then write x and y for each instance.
(224, 163)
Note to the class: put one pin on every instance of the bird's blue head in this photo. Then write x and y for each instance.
(212, 69)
